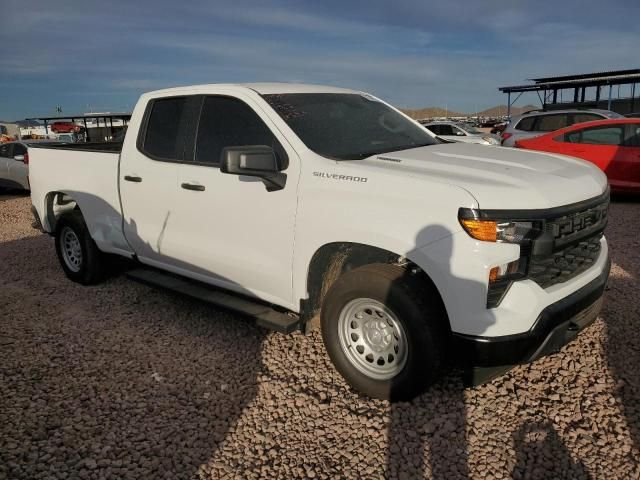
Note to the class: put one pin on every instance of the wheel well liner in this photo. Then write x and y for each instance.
(333, 259)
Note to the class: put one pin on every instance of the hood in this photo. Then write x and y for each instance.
(500, 177)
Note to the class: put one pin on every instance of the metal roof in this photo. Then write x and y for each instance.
(583, 76)
(618, 77)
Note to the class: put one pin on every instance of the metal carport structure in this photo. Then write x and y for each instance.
(547, 89)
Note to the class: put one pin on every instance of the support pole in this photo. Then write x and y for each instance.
(509, 104)
(609, 101)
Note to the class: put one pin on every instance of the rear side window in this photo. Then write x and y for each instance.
(19, 149)
(4, 150)
(164, 135)
(597, 136)
(583, 117)
(549, 123)
(526, 124)
(229, 122)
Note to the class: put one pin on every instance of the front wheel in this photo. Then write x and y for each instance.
(78, 254)
(384, 329)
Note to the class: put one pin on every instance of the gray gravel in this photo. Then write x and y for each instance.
(122, 381)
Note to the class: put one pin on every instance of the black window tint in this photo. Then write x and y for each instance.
(19, 149)
(229, 122)
(437, 129)
(165, 129)
(4, 150)
(583, 117)
(447, 130)
(526, 124)
(549, 123)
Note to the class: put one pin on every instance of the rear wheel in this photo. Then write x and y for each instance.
(384, 329)
(78, 254)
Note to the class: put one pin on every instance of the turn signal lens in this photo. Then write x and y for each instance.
(481, 229)
(493, 274)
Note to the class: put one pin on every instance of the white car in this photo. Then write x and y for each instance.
(14, 163)
(456, 132)
(283, 201)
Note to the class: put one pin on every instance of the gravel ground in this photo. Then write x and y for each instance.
(122, 381)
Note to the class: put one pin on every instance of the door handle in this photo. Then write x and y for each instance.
(193, 186)
(131, 178)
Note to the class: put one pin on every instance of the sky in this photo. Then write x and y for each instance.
(100, 56)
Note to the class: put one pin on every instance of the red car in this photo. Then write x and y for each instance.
(613, 145)
(65, 127)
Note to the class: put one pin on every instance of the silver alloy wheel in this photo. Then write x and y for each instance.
(71, 249)
(372, 338)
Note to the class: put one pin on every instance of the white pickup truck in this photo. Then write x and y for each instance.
(283, 201)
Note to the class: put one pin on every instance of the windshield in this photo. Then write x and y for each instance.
(470, 129)
(347, 126)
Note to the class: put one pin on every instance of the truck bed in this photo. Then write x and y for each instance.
(89, 176)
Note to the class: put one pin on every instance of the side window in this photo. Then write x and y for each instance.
(526, 124)
(597, 136)
(583, 117)
(603, 135)
(229, 122)
(165, 131)
(549, 123)
(445, 130)
(4, 150)
(437, 129)
(19, 149)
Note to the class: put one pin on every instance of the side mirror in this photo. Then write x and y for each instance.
(19, 158)
(254, 161)
(460, 133)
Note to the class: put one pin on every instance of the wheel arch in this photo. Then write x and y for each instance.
(333, 259)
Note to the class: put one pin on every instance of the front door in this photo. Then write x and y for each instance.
(234, 232)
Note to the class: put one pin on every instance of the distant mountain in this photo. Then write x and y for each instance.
(500, 110)
(497, 111)
(429, 112)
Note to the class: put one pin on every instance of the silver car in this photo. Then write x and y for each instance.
(538, 122)
(14, 163)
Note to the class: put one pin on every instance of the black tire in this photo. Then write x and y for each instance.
(417, 306)
(90, 269)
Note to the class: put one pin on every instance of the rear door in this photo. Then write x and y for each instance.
(602, 145)
(632, 160)
(234, 232)
(149, 175)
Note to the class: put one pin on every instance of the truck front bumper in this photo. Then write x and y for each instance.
(557, 325)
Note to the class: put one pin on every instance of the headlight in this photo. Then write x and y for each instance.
(494, 231)
(500, 277)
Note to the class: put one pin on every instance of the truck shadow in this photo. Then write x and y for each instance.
(121, 382)
(442, 439)
(442, 436)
